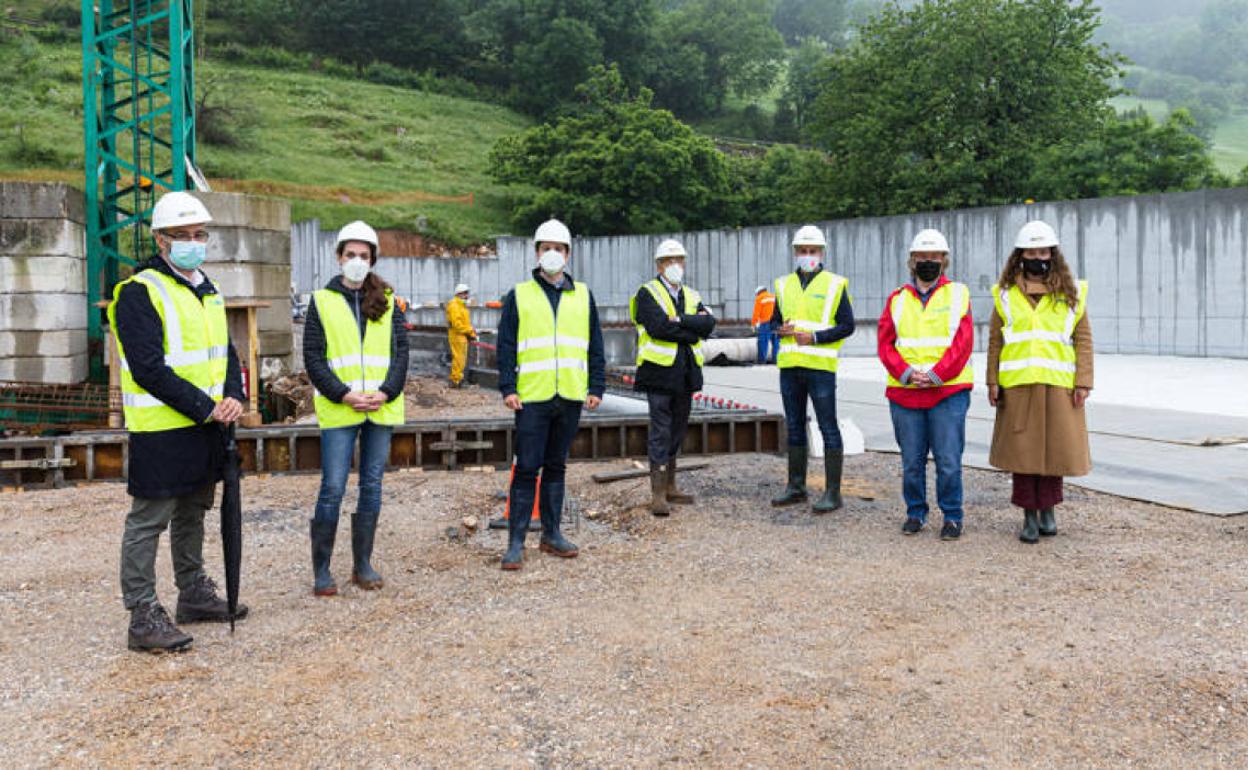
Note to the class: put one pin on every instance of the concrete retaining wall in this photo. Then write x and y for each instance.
(43, 284)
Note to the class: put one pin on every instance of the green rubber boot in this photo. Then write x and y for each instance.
(833, 464)
(795, 490)
(1048, 522)
(1031, 527)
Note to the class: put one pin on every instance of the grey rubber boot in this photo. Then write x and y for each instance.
(1031, 527)
(795, 490)
(833, 464)
(1048, 522)
(323, 534)
(151, 630)
(658, 491)
(674, 495)
(363, 530)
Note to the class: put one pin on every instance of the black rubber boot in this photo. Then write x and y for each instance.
(1048, 522)
(795, 490)
(674, 495)
(1031, 528)
(658, 491)
(553, 541)
(151, 630)
(833, 464)
(363, 530)
(323, 533)
(520, 512)
(199, 603)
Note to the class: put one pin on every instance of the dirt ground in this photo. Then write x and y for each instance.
(426, 398)
(727, 636)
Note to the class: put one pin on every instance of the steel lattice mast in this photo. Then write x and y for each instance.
(139, 129)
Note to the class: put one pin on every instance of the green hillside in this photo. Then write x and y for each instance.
(1230, 136)
(339, 149)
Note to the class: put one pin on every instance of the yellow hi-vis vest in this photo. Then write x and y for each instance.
(810, 310)
(662, 352)
(360, 366)
(197, 346)
(552, 348)
(1039, 342)
(924, 333)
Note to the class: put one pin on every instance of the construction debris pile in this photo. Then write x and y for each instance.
(428, 398)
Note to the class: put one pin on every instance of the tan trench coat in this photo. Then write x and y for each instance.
(1038, 430)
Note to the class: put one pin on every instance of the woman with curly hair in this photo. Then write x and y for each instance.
(1039, 376)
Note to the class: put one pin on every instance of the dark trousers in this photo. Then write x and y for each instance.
(544, 434)
(768, 343)
(669, 422)
(797, 384)
(148, 518)
(1036, 492)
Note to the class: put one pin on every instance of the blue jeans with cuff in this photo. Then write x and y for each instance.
(942, 431)
(337, 449)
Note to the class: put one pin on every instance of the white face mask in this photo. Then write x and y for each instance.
(808, 263)
(355, 269)
(552, 262)
(674, 274)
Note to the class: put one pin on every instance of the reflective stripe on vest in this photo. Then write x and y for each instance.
(196, 347)
(552, 347)
(361, 365)
(662, 352)
(812, 309)
(1039, 341)
(925, 332)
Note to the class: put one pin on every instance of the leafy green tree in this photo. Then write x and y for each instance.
(824, 20)
(785, 185)
(949, 103)
(801, 88)
(616, 165)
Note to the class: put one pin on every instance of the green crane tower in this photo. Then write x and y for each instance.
(138, 112)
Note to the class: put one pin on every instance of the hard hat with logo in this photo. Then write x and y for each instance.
(809, 236)
(461, 288)
(1036, 235)
(358, 231)
(178, 208)
(669, 248)
(929, 240)
(553, 231)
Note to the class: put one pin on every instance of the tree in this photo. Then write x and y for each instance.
(785, 185)
(948, 104)
(801, 88)
(823, 20)
(616, 165)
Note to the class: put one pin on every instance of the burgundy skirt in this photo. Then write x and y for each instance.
(1036, 492)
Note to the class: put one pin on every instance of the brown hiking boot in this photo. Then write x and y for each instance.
(152, 631)
(658, 491)
(674, 495)
(199, 603)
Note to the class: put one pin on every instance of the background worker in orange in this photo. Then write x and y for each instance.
(768, 341)
(458, 332)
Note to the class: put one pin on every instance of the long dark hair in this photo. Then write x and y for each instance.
(1059, 280)
(376, 291)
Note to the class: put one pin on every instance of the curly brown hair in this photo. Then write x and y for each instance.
(376, 290)
(1059, 280)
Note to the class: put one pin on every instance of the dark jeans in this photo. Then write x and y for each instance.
(148, 517)
(796, 385)
(768, 343)
(1036, 492)
(942, 430)
(669, 421)
(337, 448)
(544, 433)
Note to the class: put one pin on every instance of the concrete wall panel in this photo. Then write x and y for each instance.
(40, 274)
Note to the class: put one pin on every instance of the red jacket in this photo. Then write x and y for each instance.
(947, 368)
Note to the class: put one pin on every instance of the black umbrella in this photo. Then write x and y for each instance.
(231, 522)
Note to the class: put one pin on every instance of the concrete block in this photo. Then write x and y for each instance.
(30, 344)
(42, 237)
(250, 211)
(28, 275)
(237, 244)
(250, 280)
(43, 312)
(275, 317)
(278, 344)
(41, 200)
(60, 370)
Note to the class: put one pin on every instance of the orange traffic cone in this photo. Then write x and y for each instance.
(535, 521)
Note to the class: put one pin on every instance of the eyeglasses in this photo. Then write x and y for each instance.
(201, 236)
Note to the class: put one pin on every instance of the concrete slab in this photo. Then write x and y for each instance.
(238, 244)
(42, 237)
(250, 211)
(42, 274)
(43, 312)
(32, 344)
(67, 370)
(239, 280)
(41, 200)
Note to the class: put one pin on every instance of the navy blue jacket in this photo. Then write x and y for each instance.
(684, 375)
(170, 463)
(509, 328)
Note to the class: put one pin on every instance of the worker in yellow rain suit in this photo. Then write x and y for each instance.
(458, 331)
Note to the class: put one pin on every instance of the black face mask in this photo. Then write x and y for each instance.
(927, 271)
(1037, 267)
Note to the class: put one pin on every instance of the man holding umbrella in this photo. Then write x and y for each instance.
(181, 385)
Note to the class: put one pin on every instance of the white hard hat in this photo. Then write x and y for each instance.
(460, 288)
(179, 208)
(760, 290)
(809, 236)
(553, 231)
(669, 248)
(358, 231)
(929, 240)
(1036, 235)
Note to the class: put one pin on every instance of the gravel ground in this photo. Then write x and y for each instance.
(724, 636)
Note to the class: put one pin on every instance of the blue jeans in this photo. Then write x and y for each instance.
(544, 434)
(796, 385)
(337, 447)
(768, 343)
(941, 429)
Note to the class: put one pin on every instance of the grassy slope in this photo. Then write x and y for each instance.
(308, 129)
(1230, 137)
